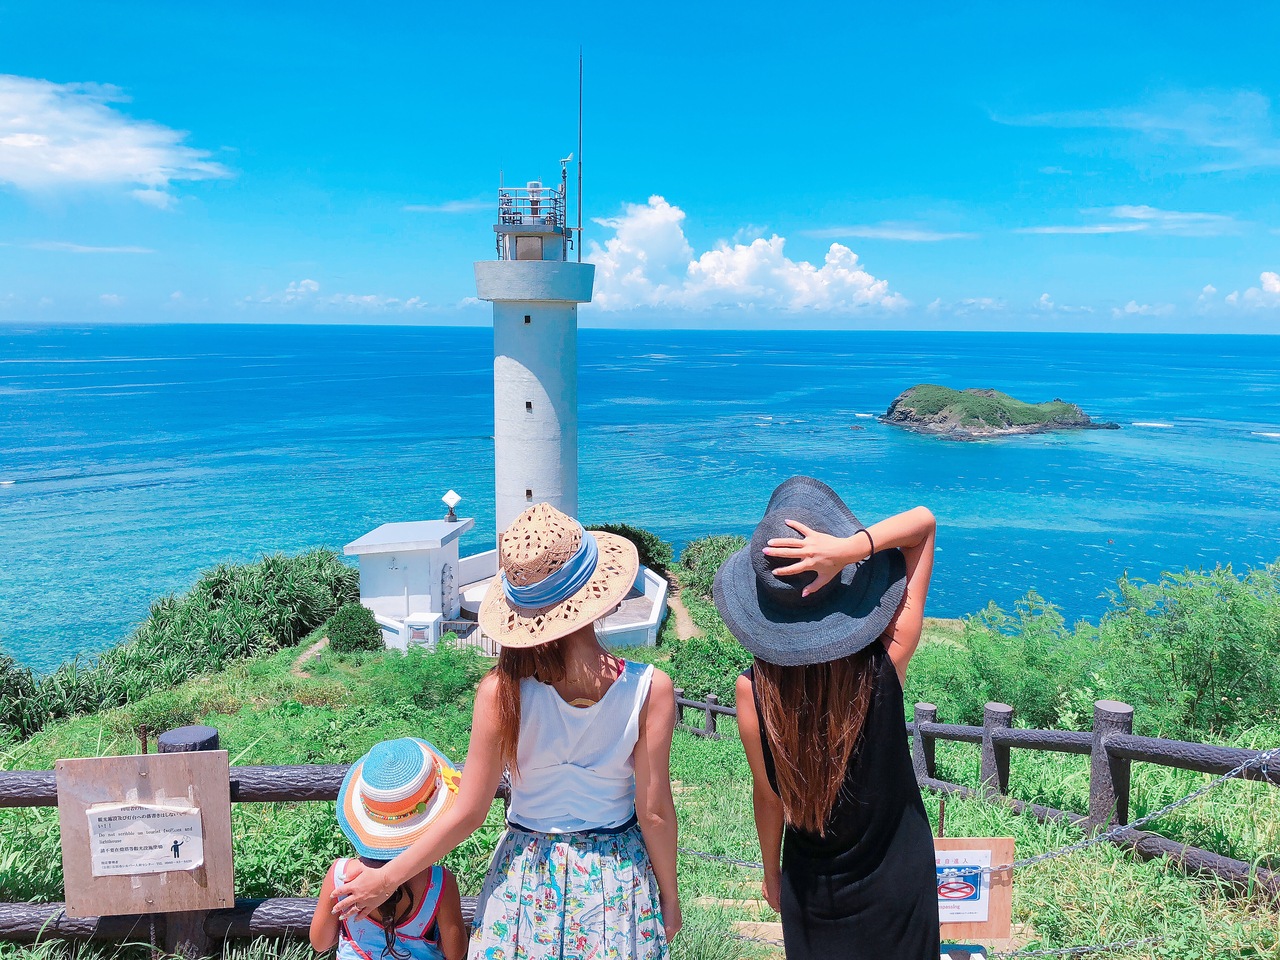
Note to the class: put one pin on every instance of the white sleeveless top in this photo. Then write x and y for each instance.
(576, 766)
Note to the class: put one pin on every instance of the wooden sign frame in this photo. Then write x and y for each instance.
(999, 923)
(202, 779)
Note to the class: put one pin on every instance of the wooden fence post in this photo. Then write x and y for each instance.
(679, 705)
(922, 746)
(1109, 776)
(709, 727)
(995, 757)
(184, 933)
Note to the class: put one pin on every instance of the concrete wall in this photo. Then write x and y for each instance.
(535, 407)
(563, 280)
(395, 585)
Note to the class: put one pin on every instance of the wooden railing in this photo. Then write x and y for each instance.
(273, 917)
(1111, 747)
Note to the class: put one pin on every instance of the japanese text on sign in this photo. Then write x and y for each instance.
(132, 838)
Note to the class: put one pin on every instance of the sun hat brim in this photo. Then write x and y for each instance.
(508, 625)
(383, 841)
(843, 618)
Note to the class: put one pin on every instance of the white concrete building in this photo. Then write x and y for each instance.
(535, 290)
(410, 578)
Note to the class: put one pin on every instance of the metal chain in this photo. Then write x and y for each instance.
(1078, 951)
(1261, 761)
(1113, 947)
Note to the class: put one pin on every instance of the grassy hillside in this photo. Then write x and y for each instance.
(335, 707)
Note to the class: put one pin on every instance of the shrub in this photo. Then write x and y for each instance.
(655, 553)
(708, 664)
(231, 612)
(700, 560)
(354, 628)
(1196, 652)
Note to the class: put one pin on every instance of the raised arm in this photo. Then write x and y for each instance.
(655, 807)
(913, 532)
(369, 887)
(766, 803)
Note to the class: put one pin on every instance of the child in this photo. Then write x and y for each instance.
(388, 799)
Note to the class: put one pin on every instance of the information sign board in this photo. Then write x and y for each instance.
(973, 904)
(146, 834)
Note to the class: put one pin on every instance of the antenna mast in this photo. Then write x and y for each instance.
(579, 243)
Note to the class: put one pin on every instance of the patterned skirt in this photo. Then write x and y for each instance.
(569, 896)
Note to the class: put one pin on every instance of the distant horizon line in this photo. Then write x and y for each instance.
(7, 324)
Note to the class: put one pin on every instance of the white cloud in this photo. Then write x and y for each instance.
(968, 306)
(1140, 218)
(110, 299)
(451, 206)
(650, 262)
(306, 293)
(1264, 296)
(891, 230)
(60, 247)
(1135, 309)
(1046, 304)
(1221, 130)
(56, 135)
(1086, 228)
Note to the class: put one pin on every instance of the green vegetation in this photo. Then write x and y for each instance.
(1195, 653)
(233, 611)
(930, 408)
(353, 628)
(336, 707)
(655, 553)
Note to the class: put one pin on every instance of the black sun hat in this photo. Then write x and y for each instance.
(770, 615)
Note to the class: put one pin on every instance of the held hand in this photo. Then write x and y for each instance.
(672, 920)
(361, 892)
(772, 890)
(812, 550)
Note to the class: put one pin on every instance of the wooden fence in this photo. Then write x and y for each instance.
(1111, 747)
(274, 917)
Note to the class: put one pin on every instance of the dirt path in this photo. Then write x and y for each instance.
(310, 653)
(685, 627)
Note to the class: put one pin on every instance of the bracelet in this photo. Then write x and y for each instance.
(869, 540)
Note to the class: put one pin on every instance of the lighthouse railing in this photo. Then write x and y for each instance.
(531, 205)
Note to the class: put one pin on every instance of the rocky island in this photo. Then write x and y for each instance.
(978, 414)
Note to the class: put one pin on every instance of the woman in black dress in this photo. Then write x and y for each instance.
(832, 619)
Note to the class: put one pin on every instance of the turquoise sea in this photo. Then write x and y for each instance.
(132, 457)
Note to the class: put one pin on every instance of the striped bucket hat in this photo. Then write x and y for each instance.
(392, 794)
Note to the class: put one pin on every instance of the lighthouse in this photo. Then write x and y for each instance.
(535, 290)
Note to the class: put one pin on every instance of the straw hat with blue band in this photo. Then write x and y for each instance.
(554, 577)
(770, 615)
(392, 794)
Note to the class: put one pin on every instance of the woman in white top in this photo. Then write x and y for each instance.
(587, 866)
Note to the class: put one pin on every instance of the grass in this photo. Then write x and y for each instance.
(340, 705)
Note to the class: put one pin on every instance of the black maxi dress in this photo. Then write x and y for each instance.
(868, 889)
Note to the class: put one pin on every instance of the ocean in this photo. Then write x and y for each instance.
(133, 457)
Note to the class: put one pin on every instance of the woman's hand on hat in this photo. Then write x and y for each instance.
(813, 550)
(361, 892)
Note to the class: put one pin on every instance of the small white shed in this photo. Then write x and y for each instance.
(409, 577)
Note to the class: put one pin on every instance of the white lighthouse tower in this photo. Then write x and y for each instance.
(535, 290)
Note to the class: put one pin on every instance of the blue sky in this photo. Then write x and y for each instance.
(1014, 166)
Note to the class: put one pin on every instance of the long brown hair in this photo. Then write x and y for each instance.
(813, 715)
(545, 663)
(390, 915)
